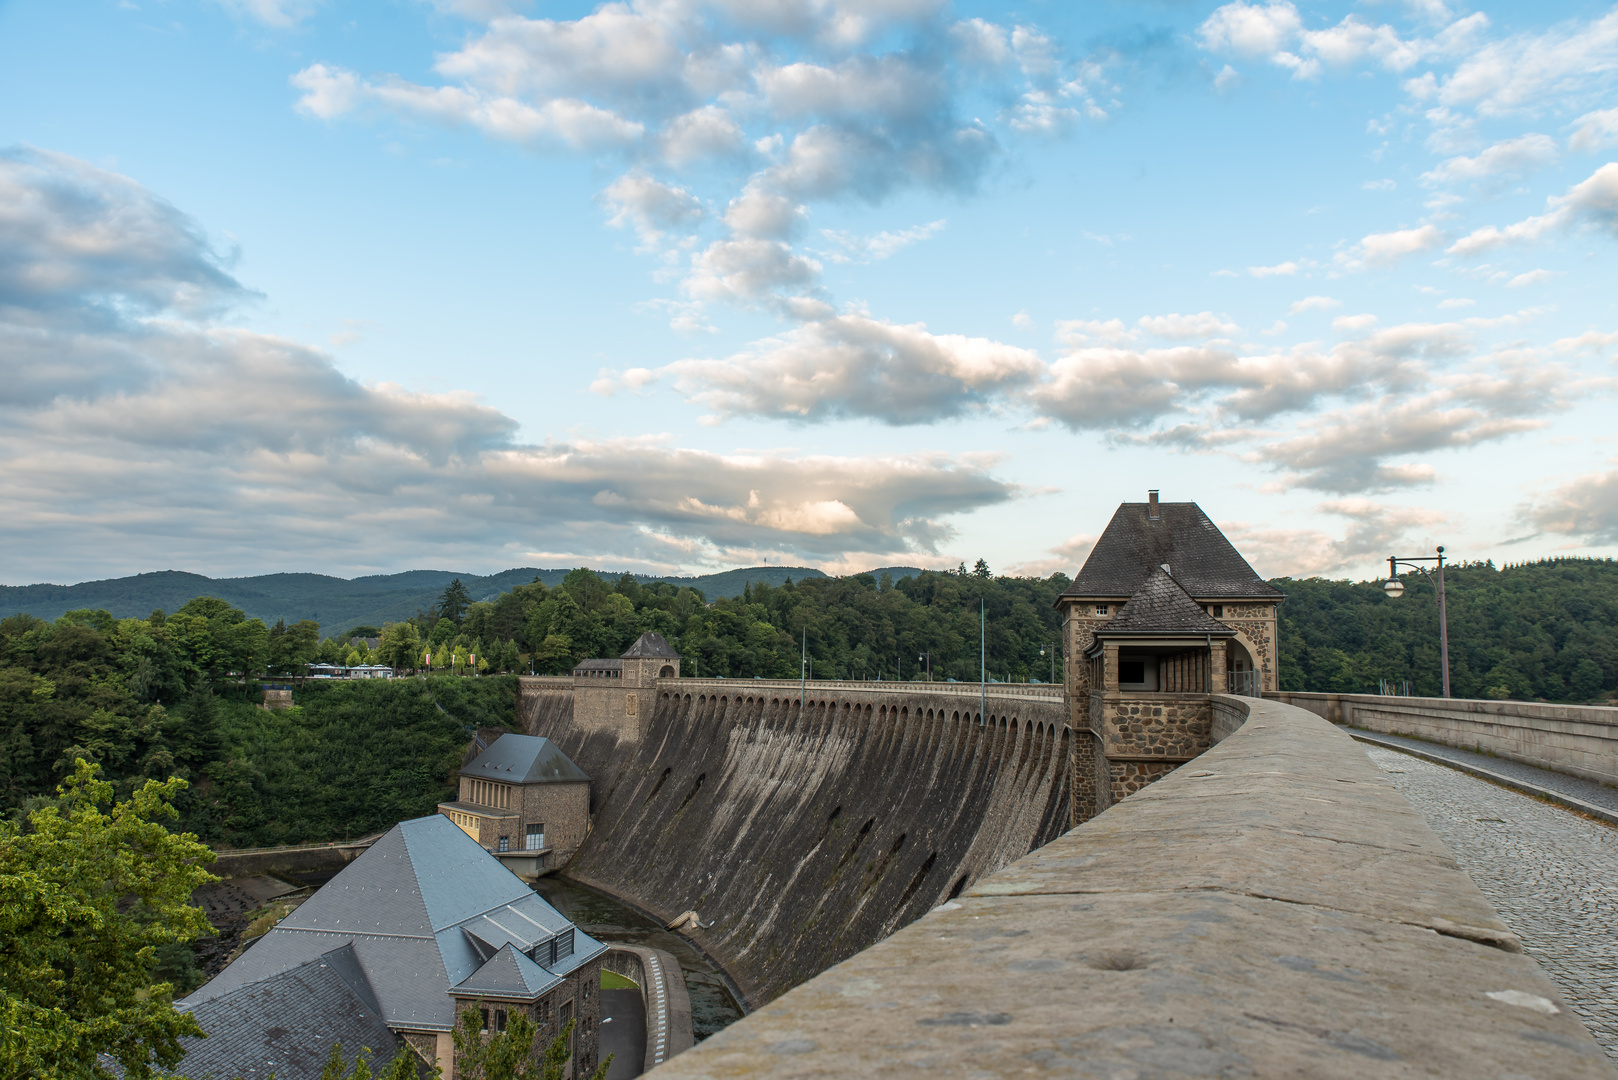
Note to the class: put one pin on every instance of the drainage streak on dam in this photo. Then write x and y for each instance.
(799, 836)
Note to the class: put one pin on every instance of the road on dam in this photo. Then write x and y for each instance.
(1552, 874)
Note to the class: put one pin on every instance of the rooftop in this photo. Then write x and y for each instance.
(1199, 557)
(651, 644)
(1161, 607)
(524, 759)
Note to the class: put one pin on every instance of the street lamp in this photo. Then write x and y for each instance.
(927, 658)
(1052, 648)
(1396, 588)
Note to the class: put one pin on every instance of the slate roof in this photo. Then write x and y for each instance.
(1161, 607)
(403, 905)
(599, 665)
(651, 644)
(286, 1024)
(508, 974)
(524, 759)
(1133, 545)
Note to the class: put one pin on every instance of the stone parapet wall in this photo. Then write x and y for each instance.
(1580, 740)
(1273, 909)
(1228, 714)
(1136, 725)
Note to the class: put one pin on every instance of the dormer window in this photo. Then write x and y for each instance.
(1218, 611)
(1102, 609)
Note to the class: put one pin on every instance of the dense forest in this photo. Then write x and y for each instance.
(177, 694)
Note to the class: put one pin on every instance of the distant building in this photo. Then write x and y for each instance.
(617, 695)
(1164, 612)
(420, 927)
(523, 801)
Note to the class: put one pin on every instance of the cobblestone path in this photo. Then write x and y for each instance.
(1551, 874)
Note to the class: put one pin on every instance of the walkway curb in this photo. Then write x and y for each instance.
(1609, 816)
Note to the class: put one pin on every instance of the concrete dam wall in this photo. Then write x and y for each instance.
(800, 836)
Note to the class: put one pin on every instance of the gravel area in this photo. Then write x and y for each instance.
(1588, 790)
(1551, 874)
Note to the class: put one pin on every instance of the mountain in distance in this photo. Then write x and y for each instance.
(338, 604)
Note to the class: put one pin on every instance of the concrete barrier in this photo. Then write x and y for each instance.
(1273, 908)
(1580, 740)
(306, 859)
(662, 987)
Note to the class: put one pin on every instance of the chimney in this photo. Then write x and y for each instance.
(1151, 504)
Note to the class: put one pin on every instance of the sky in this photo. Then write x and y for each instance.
(674, 286)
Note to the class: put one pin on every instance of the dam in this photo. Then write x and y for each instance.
(799, 823)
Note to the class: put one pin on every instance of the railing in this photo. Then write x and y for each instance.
(1244, 683)
(821, 687)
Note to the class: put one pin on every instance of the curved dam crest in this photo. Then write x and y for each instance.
(802, 836)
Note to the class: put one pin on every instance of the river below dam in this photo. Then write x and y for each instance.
(713, 1006)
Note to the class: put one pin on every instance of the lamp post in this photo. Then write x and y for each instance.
(1051, 648)
(1396, 588)
(927, 658)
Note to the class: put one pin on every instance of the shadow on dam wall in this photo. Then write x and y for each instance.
(801, 837)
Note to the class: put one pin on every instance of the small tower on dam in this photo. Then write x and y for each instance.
(617, 695)
(1164, 613)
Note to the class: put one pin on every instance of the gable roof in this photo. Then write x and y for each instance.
(524, 759)
(651, 644)
(285, 1025)
(1204, 563)
(1161, 607)
(403, 906)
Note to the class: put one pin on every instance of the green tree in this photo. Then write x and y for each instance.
(87, 898)
(453, 603)
(400, 646)
(509, 1054)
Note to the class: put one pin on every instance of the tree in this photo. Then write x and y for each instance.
(87, 898)
(400, 646)
(453, 604)
(981, 569)
(509, 1054)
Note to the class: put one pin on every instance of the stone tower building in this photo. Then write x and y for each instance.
(1164, 613)
(617, 695)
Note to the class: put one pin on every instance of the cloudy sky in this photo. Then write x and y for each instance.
(357, 286)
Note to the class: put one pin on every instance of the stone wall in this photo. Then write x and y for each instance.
(802, 835)
(1581, 740)
(1172, 727)
(305, 859)
(1227, 716)
(663, 989)
(1275, 909)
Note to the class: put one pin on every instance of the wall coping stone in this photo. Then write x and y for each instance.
(1273, 908)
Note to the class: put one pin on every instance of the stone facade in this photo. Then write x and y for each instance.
(577, 998)
(498, 817)
(1165, 727)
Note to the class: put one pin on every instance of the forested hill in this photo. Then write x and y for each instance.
(1544, 630)
(333, 602)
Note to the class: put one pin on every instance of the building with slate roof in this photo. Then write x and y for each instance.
(1164, 612)
(422, 926)
(617, 695)
(525, 802)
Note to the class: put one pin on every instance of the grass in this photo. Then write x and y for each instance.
(611, 980)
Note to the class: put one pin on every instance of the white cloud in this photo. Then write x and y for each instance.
(1353, 322)
(1385, 249)
(1532, 72)
(1314, 303)
(1371, 530)
(1286, 269)
(1203, 324)
(651, 206)
(1596, 131)
(134, 436)
(1511, 158)
(1584, 507)
(1250, 29)
(276, 13)
(1593, 201)
(1531, 277)
(851, 365)
(1378, 185)
(875, 248)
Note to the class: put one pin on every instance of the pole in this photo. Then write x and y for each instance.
(983, 664)
(1443, 622)
(803, 668)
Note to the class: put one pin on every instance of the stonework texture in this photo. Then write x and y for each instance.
(578, 997)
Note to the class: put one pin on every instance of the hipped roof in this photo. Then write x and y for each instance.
(524, 759)
(1161, 608)
(1134, 544)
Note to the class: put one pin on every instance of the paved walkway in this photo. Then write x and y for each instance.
(1572, 786)
(1551, 874)
(623, 1032)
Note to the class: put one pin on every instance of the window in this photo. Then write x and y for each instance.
(1132, 671)
(1102, 609)
(544, 1012)
(536, 837)
(499, 1019)
(1218, 611)
(505, 843)
(485, 1013)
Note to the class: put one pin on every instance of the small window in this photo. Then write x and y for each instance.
(485, 1013)
(499, 1019)
(1102, 609)
(1132, 671)
(1219, 611)
(505, 843)
(535, 837)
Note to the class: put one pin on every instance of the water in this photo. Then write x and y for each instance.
(713, 1007)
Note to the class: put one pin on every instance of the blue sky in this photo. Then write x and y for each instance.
(677, 285)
